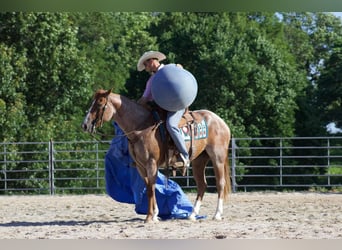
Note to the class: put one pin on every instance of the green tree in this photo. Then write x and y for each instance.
(12, 93)
(329, 88)
(311, 36)
(45, 86)
(245, 75)
(113, 42)
(57, 79)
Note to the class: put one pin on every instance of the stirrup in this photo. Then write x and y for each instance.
(181, 162)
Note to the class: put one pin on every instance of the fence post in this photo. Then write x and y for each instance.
(281, 163)
(51, 168)
(233, 165)
(97, 166)
(328, 157)
(5, 170)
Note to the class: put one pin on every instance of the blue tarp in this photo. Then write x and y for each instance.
(124, 184)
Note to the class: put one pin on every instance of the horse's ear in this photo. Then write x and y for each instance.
(109, 91)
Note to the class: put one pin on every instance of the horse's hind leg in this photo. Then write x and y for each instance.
(220, 198)
(220, 174)
(198, 168)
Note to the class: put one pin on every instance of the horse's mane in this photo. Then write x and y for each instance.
(131, 105)
(128, 107)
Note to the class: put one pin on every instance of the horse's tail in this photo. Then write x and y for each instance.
(228, 187)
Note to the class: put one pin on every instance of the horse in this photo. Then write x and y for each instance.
(148, 149)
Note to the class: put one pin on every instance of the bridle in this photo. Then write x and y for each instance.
(98, 117)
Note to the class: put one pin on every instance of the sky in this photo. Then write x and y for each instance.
(332, 129)
(338, 14)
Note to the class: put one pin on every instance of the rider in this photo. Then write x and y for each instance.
(150, 62)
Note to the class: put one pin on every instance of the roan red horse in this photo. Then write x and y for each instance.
(149, 150)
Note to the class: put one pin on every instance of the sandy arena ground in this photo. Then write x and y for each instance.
(246, 216)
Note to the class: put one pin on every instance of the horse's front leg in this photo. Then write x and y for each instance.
(153, 211)
(150, 181)
(149, 174)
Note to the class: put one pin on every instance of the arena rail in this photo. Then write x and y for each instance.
(77, 167)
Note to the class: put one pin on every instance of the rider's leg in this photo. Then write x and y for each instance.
(172, 121)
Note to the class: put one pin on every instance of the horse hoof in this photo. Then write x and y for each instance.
(192, 217)
(151, 221)
(217, 217)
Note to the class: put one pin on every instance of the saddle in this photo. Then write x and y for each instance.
(188, 120)
(189, 117)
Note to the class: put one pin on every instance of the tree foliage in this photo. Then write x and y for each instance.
(329, 87)
(242, 73)
(259, 72)
(56, 78)
(12, 93)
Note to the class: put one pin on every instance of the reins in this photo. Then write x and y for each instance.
(121, 135)
(108, 135)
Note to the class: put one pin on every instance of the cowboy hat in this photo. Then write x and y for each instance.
(148, 55)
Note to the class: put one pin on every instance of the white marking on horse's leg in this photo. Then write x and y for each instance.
(155, 214)
(219, 210)
(196, 209)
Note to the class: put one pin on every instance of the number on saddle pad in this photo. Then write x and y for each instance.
(200, 131)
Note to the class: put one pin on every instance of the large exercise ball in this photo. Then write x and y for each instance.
(173, 88)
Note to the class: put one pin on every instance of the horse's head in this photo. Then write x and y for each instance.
(98, 112)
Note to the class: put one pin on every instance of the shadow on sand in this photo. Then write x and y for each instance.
(63, 223)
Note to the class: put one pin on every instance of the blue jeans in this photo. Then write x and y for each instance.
(172, 121)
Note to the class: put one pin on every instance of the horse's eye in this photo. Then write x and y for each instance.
(99, 103)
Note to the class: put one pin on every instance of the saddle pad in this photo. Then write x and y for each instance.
(200, 131)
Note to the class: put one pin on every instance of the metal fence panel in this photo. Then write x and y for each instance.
(287, 163)
(256, 163)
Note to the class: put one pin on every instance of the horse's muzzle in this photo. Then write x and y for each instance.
(84, 127)
(89, 129)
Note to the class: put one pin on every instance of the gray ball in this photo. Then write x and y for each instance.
(174, 88)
